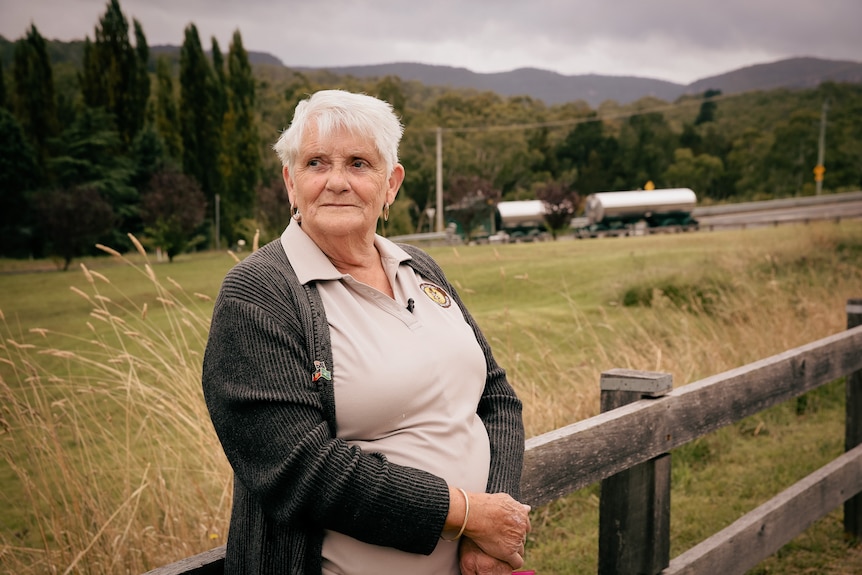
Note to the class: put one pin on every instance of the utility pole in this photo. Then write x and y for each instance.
(820, 169)
(439, 213)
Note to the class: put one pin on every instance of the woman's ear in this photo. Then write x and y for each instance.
(288, 184)
(396, 178)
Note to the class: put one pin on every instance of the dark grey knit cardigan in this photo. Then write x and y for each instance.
(292, 478)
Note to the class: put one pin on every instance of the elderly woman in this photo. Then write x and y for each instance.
(368, 425)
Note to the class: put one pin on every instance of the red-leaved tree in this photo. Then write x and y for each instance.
(561, 204)
(73, 219)
(172, 209)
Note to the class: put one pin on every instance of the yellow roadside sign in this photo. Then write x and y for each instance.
(819, 170)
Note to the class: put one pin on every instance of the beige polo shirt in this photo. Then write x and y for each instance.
(406, 383)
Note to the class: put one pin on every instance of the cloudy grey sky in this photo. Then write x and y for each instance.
(675, 40)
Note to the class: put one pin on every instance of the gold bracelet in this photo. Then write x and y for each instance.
(466, 515)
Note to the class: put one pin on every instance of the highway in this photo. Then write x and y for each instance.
(834, 207)
(774, 212)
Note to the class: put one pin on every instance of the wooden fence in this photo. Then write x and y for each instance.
(627, 448)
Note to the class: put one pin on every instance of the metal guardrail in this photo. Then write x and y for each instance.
(777, 204)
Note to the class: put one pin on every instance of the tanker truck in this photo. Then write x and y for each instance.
(623, 213)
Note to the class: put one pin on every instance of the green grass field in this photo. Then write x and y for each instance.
(108, 462)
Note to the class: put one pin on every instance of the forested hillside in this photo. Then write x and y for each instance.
(106, 137)
(553, 88)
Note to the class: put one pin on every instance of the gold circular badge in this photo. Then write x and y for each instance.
(436, 294)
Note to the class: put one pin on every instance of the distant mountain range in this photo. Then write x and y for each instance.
(550, 87)
(554, 88)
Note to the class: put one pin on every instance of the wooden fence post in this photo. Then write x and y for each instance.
(634, 509)
(853, 424)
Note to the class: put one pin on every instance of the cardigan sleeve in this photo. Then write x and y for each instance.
(268, 413)
(501, 412)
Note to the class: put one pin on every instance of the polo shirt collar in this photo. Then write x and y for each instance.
(311, 264)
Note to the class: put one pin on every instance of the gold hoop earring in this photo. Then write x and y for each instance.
(386, 212)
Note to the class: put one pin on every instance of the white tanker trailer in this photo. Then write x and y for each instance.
(520, 214)
(609, 211)
(522, 220)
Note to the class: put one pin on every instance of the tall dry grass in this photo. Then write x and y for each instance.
(663, 337)
(744, 305)
(741, 306)
(107, 438)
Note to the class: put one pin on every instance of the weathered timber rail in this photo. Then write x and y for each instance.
(627, 448)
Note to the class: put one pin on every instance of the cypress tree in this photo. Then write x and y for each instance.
(220, 103)
(707, 108)
(242, 155)
(18, 171)
(91, 78)
(140, 90)
(34, 103)
(114, 75)
(200, 134)
(2, 86)
(167, 115)
(241, 78)
(219, 111)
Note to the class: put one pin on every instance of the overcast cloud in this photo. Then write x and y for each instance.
(675, 40)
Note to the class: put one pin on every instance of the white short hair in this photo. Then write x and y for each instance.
(361, 115)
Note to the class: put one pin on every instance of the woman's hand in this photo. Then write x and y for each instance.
(474, 561)
(496, 523)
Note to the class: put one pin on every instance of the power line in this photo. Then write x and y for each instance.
(575, 121)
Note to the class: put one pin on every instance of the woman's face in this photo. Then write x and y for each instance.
(339, 184)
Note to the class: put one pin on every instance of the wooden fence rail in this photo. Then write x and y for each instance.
(627, 448)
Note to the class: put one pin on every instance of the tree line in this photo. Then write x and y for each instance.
(102, 138)
(129, 145)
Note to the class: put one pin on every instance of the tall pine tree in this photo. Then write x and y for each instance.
(114, 75)
(200, 132)
(241, 154)
(34, 102)
(219, 92)
(18, 170)
(2, 86)
(167, 115)
(219, 110)
(140, 96)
